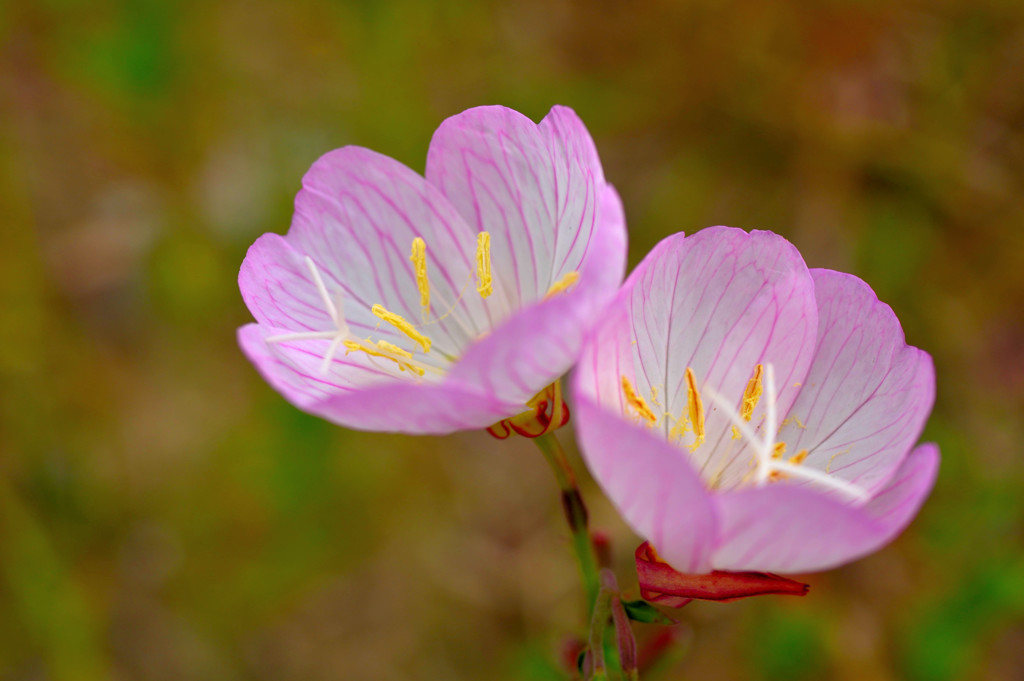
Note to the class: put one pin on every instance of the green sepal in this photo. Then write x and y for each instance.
(642, 611)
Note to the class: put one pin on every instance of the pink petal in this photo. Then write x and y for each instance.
(721, 301)
(896, 504)
(867, 394)
(277, 287)
(607, 354)
(345, 398)
(791, 529)
(534, 188)
(651, 483)
(357, 215)
(540, 343)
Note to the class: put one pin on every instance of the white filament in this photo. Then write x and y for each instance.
(765, 446)
(336, 313)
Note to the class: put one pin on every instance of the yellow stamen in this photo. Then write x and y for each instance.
(696, 409)
(637, 402)
(831, 460)
(716, 479)
(419, 263)
(679, 429)
(752, 394)
(483, 265)
(385, 350)
(736, 435)
(563, 284)
(798, 458)
(778, 450)
(393, 349)
(402, 325)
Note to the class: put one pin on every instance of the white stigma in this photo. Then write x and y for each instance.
(764, 446)
(334, 309)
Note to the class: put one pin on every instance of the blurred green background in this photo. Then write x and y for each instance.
(165, 515)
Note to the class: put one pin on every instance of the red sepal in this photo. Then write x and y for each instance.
(660, 583)
(547, 413)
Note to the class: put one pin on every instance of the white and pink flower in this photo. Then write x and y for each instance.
(745, 413)
(415, 304)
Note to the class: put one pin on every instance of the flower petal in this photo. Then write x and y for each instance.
(278, 289)
(539, 343)
(791, 529)
(650, 482)
(535, 189)
(357, 215)
(867, 394)
(343, 396)
(896, 504)
(719, 302)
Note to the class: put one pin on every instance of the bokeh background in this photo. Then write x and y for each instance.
(165, 515)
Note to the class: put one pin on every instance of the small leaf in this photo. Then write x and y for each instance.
(642, 611)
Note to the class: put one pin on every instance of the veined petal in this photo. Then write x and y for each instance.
(579, 190)
(896, 504)
(278, 288)
(534, 188)
(357, 215)
(867, 394)
(539, 343)
(656, 489)
(358, 394)
(791, 529)
(719, 302)
(607, 356)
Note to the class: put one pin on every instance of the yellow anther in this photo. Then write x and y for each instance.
(696, 409)
(637, 402)
(402, 325)
(736, 435)
(384, 351)
(679, 429)
(798, 458)
(484, 283)
(419, 263)
(778, 450)
(393, 349)
(752, 394)
(563, 284)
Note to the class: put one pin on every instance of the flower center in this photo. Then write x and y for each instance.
(398, 358)
(769, 463)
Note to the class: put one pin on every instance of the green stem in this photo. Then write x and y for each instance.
(598, 629)
(575, 514)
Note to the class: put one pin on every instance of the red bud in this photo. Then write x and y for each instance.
(662, 584)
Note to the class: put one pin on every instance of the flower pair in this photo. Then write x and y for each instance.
(741, 411)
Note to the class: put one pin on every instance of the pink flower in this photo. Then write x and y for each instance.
(428, 305)
(745, 413)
